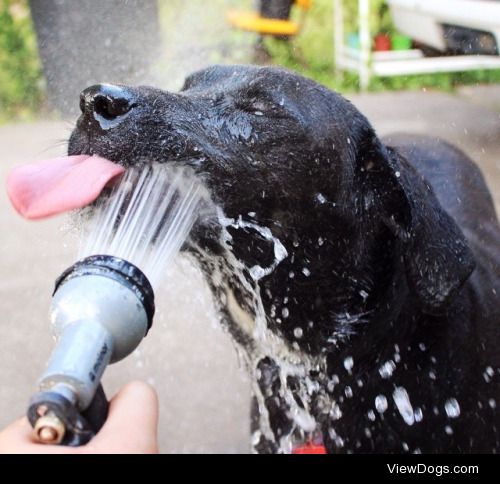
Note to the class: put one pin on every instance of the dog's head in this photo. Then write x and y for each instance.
(248, 128)
(292, 156)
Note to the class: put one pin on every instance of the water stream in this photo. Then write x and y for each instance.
(146, 218)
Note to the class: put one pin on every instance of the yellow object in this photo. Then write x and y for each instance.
(252, 22)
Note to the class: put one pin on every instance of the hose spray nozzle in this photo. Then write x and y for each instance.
(102, 307)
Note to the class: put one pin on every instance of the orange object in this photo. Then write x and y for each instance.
(305, 4)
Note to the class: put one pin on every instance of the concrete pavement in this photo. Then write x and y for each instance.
(204, 393)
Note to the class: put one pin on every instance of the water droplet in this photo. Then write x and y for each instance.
(381, 403)
(256, 437)
(291, 275)
(363, 294)
(348, 392)
(402, 401)
(405, 447)
(448, 430)
(348, 363)
(339, 442)
(297, 332)
(398, 174)
(306, 272)
(492, 403)
(488, 374)
(371, 415)
(258, 113)
(452, 408)
(387, 369)
(422, 346)
(321, 241)
(368, 433)
(285, 312)
(419, 415)
(432, 375)
(321, 198)
(335, 412)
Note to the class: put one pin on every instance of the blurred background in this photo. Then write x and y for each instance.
(417, 66)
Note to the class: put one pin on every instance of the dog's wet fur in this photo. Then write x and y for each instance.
(393, 259)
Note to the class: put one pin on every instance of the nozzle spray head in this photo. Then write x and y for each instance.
(102, 308)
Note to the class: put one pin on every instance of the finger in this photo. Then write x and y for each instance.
(132, 423)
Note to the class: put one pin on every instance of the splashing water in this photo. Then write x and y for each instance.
(146, 217)
(248, 317)
(403, 404)
(452, 408)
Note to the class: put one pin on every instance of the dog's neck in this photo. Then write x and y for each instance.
(334, 282)
(343, 282)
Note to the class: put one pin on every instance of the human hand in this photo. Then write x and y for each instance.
(131, 428)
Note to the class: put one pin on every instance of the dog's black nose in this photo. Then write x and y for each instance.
(106, 101)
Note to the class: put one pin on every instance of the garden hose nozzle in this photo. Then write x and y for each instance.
(102, 307)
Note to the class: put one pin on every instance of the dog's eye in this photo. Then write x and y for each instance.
(257, 107)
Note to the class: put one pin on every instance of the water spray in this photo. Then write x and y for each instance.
(103, 306)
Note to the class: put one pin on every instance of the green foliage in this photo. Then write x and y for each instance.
(20, 75)
(311, 53)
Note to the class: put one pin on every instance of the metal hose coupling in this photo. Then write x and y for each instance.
(102, 307)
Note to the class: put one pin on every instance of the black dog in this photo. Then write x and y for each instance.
(362, 278)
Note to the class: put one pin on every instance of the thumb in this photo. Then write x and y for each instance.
(132, 422)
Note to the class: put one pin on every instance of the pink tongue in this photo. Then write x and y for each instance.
(55, 186)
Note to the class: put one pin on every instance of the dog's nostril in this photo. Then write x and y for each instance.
(107, 101)
(110, 107)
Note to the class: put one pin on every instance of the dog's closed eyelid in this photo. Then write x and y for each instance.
(257, 106)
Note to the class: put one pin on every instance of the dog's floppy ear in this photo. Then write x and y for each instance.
(435, 252)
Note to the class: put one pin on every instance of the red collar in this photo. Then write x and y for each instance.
(310, 448)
